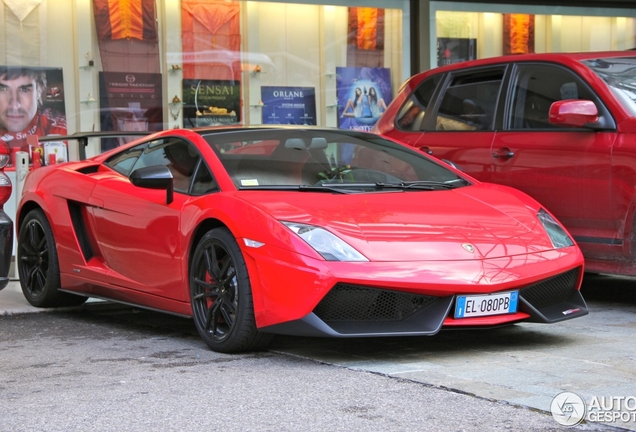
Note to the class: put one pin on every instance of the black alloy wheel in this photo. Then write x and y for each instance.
(221, 296)
(38, 266)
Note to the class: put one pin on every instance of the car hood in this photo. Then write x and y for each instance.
(474, 222)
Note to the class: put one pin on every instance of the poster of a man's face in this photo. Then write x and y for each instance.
(31, 103)
(20, 96)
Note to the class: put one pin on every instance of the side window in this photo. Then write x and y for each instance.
(470, 101)
(124, 161)
(411, 115)
(537, 86)
(203, 181)
(178, 155)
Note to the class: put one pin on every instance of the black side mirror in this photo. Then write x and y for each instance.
(154, 177)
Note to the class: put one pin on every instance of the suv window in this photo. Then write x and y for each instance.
(536, 87)
(470, 101)
(411, 115)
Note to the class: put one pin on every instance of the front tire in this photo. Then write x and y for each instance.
(38, 265)
(221, 295)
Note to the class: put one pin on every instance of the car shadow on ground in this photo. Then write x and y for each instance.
(599, 290)
(449, 342)
(609, 289)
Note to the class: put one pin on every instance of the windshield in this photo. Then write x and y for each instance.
(297, 158)
(620, 74)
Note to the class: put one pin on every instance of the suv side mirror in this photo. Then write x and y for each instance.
(154, 177)
(576, 113)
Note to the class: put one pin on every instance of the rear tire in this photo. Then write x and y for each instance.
(221, 295)
(38, 265)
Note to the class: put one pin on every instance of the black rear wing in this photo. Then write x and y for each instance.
(82, 138)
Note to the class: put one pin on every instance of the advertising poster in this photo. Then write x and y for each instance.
(129, 102)
(363, 95)
(455, 50)
(211, 102)
(289, 105)
(40, 110)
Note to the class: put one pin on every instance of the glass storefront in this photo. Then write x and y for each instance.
(464, 31)
(143, 65)
(139, 65)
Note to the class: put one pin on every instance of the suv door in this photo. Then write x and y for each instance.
(460, 127)
(566, 169)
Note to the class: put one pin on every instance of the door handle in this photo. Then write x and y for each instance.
(503, 153)
(426, 150)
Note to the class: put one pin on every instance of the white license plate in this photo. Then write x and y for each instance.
(486, 304)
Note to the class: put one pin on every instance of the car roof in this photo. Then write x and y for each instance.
(279, 127)
(561, 57)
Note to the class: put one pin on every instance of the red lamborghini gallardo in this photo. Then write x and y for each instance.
(253, 231)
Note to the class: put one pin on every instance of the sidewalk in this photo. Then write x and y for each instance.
(12, 300)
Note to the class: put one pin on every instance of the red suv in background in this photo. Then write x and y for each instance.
(560, 127)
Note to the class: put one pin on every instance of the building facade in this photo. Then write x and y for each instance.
(140, 65)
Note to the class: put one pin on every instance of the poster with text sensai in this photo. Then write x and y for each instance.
(211, 102)
(363, 95)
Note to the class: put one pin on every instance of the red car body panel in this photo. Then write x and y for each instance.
(142, 245)
(585, 177)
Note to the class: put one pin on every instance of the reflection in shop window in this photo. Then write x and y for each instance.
(469, 35)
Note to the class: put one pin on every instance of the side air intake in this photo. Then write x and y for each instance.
(75, 210)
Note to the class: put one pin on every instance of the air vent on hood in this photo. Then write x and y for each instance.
(91, 169)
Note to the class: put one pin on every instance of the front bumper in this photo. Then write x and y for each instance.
(359, 311)
(6, 247)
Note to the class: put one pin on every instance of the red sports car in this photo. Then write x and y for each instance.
(254, 231)
(560, 127)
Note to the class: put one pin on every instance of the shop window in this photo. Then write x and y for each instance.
(466, 35)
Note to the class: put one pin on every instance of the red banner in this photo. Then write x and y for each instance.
(125, 19)
(518, 34)
(211, 36)
(366, 28)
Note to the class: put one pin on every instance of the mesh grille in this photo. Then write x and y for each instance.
(359, 303)
(555, 290)
(75, 211)
(91, 169)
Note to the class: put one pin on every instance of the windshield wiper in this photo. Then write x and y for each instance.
(299, 188)
(326, 188)
(418, 184)
(348, 188)
(428, 184)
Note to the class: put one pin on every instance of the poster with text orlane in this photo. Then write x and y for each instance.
(211, 102)
(289, 105)
(363, 95)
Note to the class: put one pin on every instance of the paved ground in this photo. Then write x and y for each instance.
(524, 365)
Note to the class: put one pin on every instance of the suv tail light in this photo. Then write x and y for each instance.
(5, 183)
(5, 189)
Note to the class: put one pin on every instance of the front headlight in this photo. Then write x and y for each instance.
(557, 234)
(325, 243)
